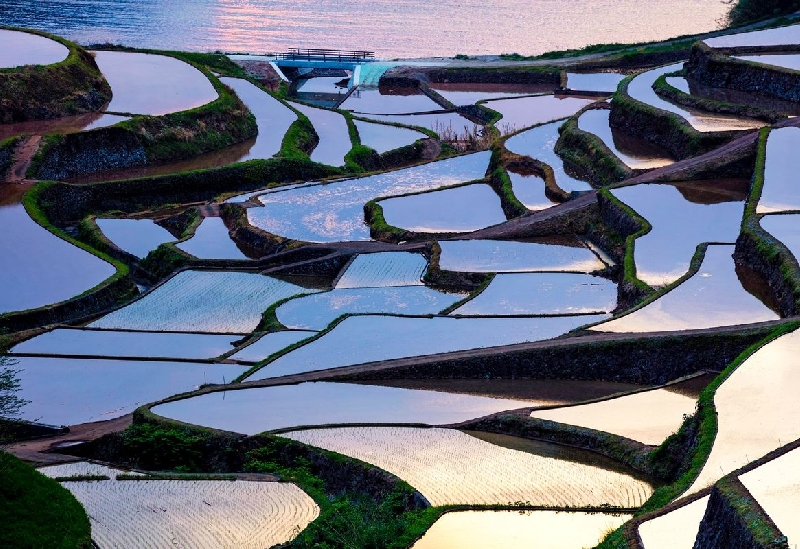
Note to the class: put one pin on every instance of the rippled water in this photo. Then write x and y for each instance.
(400, 28)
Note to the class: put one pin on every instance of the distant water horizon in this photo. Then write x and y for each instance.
(393, 29)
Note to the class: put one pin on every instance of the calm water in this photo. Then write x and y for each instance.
(401, 28)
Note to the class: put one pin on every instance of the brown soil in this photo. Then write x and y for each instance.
(22, 159)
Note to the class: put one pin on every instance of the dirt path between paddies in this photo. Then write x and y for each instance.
(22, 159)
(41, 451)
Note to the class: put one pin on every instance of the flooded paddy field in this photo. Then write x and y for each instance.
(383, 269)
(66, 124)
(64, 391)
(518, 530)
(787, 61)
(594, 81)
(334, 139)
(442, 123)
(520, 294)
(676, 529)
(252, 411)
(785, 228)
(524, 112)
(212, 241)
(383, 138)
(269, 344)
(203, 301)
(714, 296)
(203, 513)
(451, 467)
(682, 216)
(595, 121)
(779, 191)
(22, 48)
(781, 36)
(458, 210)
(135, 236)
(375, 101)
(334, 211)
(317, 311)
(538, 143)
(469, 94)
(529, 190)
(501, 256)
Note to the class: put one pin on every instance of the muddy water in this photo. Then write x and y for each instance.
(524, 112)
(135, 236)
(335, 211)
(756, 408)
(529, 189)
(518, 530)
(641, 89)
(126, 344)
(362, 339)
(499, 256)
(776, 487)
(393, 29)
(538, 143)
(316, 312)
(714, 296)
(254, 411)
(676, 529)
(679, 224)
(596, 122)
(385, 138)
(649, 416)
(384, 269)
(768, 37)
(67, 392)
(22, 48)
(272, 116)
(782, 165)
(468, 94)
(458, 210)
(381, 101)
(212, 241)
(543, 294)
(334, 138)
(153, 84)
(68, 124)
(38, 267)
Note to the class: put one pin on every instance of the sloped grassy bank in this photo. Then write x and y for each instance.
(34, 92)
(36, 511)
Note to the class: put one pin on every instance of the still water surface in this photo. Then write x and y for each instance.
(402, 28)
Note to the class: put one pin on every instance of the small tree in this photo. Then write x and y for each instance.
(10, 403)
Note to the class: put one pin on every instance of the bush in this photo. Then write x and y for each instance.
(745, 11)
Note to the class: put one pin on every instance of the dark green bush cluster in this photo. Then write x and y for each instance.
(745, 11)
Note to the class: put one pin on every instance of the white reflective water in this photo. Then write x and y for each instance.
(136, 236)
(787, 61)
(595, 121)
(22, 48)
(334, 138)
(503, 256)
(767, 37)
(529, 189)
(269, 344)
(384, 269)
(212, 241)
(594, 81)
(780, 173)
(374, 101)
(385, 138)
(524, 112)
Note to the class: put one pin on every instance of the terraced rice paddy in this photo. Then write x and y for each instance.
(362, 339)
(82, 469)
(212, 241)
(782, 164)
(538, 143)
(22, 48)
(71, 391)
(594, 81)
(520, 294)
(135, 236)
(202, 514)
(450, 467)
(334, 211)
(152, 84)
(252, 411)
(714, 296)
(529, 189)
(203, 301)
(383, 138)
(595, 121)
(334, 138)
(648, 417)
(378, 270)
(38, 267)
(785, 228)
(107, 343)
(66, 124)
(767, 37)
(776, 487)
(682, 216)
(518, 530)
(373, 101)
(787, 61)
(756, 409)
(269, 344)
(641, 89)
(469, 94)
(458, 210)
(315, 312)
(676, 529)
(502, 256)
(272, 116)
(525, 112)
(439, 122)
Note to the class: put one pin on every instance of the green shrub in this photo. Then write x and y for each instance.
(745, 11)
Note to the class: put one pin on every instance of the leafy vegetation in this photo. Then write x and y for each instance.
(36, 511)
(747, 11)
